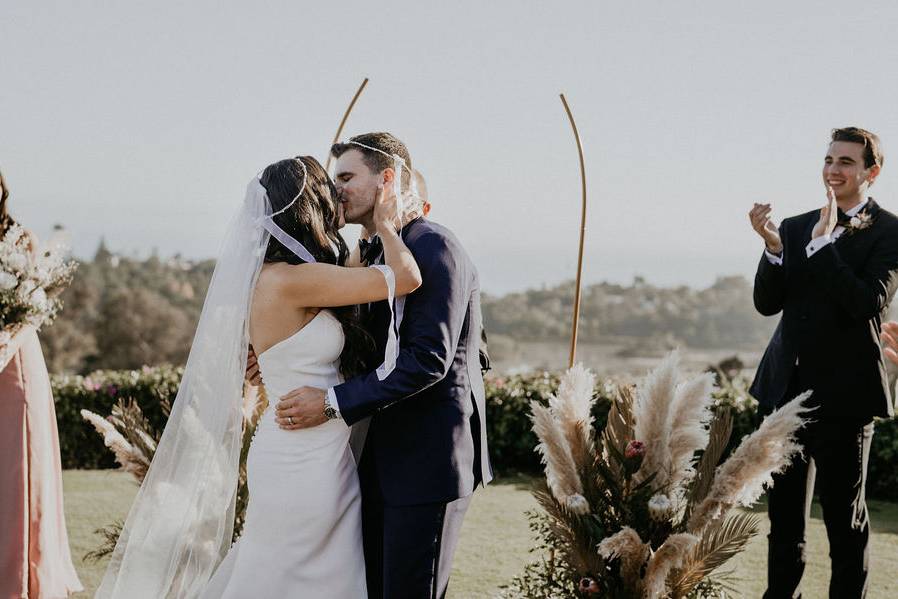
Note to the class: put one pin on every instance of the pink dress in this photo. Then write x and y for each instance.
(35, 561)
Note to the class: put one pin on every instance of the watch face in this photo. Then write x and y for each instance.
(330, 412)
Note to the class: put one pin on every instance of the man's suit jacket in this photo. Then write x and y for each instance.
(832, 304)
(428, 425)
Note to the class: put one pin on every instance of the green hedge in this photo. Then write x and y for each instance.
(81, 446)
(512, 441)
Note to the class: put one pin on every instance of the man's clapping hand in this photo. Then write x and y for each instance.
(829, 214)
(763, 226)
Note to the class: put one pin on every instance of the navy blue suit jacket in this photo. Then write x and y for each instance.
(832, 307)
(428, 426)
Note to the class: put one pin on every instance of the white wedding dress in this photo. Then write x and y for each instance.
(302, 536)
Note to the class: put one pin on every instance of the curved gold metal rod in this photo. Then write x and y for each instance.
(327, 164)
(577, 290)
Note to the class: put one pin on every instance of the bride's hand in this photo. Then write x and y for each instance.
(386, 210)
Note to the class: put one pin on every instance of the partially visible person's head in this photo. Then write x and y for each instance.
(315, 220)
(421, 184)
(360, 170)
(6, 220)
(853, 161)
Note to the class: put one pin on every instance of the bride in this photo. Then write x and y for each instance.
(281, 285)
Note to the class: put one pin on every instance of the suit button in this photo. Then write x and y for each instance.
(804, 317)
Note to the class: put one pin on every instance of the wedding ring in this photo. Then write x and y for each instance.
(290, 420)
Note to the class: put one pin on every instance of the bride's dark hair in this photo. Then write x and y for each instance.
(313, 221)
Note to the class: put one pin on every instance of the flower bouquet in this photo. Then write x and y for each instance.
(30, 283)
(644, 508)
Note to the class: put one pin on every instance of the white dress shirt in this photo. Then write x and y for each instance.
(815, 245)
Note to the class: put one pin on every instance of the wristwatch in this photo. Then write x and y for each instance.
(330, 411)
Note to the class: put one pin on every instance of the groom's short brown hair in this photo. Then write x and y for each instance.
(377, 162)
(870, 141)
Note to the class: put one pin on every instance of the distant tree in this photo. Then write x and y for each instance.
(124, 312)
(139, 327)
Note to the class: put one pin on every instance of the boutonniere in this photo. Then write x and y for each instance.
(860, 221)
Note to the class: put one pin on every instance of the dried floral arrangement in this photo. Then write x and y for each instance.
(644, 508)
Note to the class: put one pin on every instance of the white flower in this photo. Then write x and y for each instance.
(854, 222)
(14, 234)
(7, 280)
(660, 507)
(39, 298)
(25, 289)
(16, 261)
(577, 504)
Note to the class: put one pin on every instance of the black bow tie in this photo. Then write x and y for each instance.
(842, 219)
(370, 250)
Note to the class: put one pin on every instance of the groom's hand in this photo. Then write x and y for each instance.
(759, 216)
(301, 408)
(890, 341)
(829, 214)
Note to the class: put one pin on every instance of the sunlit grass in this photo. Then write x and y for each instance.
(495, 540)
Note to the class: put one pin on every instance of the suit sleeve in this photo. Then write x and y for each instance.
(867, 295)
(770, 283)
(432, 326)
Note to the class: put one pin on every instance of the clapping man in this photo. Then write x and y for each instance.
(831, 273)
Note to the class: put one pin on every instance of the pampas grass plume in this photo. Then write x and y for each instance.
(689, 431)
(628, 546)
(742, 478)
(561, 471)
(652, 414)
(571, 408)
(129, 457)
(669, 556)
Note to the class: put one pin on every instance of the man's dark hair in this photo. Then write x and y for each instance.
(377, 162)
(870, 141)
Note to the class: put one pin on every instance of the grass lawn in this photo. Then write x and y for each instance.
(495, 539)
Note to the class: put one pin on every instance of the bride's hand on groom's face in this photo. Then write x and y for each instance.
(386, 210)
(301, 408)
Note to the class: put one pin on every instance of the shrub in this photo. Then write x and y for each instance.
(80, 445)
(511, 439)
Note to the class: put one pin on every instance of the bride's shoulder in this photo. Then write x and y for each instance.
(276, 276)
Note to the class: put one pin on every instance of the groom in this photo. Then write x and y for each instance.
(832, 273)
(426, 447)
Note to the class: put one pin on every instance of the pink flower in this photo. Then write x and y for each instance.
(90, 385)
(635, 449)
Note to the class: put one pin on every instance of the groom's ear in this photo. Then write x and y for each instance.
(388, 175)
(874, 172)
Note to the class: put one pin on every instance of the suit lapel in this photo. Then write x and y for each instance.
(853, 246)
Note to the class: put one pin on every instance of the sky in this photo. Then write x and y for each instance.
(142, 122)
